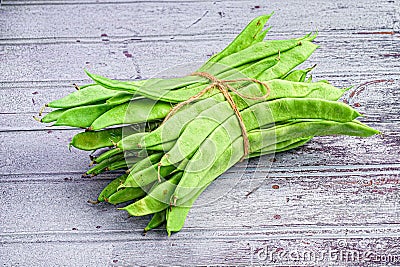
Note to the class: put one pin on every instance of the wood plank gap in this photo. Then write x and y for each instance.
(277, 172)
(122, 2)
(216, 233)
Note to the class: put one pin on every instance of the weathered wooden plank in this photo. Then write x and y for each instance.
(336, 193)
(340, 201)
(139, 18)
(323, 251)
(41, 151)
(366, 98)
(339, 54)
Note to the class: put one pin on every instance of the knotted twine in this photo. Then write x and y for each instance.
(224, 87)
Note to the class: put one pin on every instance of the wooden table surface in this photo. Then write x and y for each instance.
(334, 201)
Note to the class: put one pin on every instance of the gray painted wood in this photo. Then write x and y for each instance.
(334, 194)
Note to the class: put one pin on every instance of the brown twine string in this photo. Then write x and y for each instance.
(224, 87)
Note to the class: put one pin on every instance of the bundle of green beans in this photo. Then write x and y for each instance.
(170, 159)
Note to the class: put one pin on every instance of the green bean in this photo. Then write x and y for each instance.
(255, 116)
(52, 116)
(157, 219)
(176, 214)
(99, 168)
(255, 55)
(98, 139)
(226, 133)
(121, 164)
(92, 140)
(288, 145)
(81, 117)
(310, 128)
(280, 146)
(89, 95)
(148, 175)
(107, 154)
(264, 70)
(288, 60)
(130, 142)
(125, 195)
(166, 89)
(143, 164)
(120, 99)
(298, 75)
(259, 138)
(162, 147)
(131, 87)
(111, 188)
(144, 167)
(157, 200)
(116, 151)
(135, 111)
(172, 128)
(251, 34)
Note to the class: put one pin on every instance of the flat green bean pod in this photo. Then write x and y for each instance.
(255, 116)
(176, 215)
(92, 140)
(132, 112)
(111, 188)
(280, 146)
(157, 200)
(125, 195)
(107, 154)
(223, 137)
(307, 128)
(251, 34)
(81, 117)
(88, 95)
(104, 165)
(166, 90)
(157, 219)
(52, 116)
(298, 75)
(172, 128)
(120, 98)
(276, 135)
(142, 165)
(148, 175)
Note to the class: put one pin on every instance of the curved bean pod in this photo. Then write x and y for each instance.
(93, 140)
(135, 111)
(107, 154)
(120, 98)
(172, 128)
(157, 200)
(53, 115)
(81, 117)
(90, 94)
(102, 166)
(147, 176)
(176, 215)
(255, 116)
(111, 188)
(157, 219)
(125, 195)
